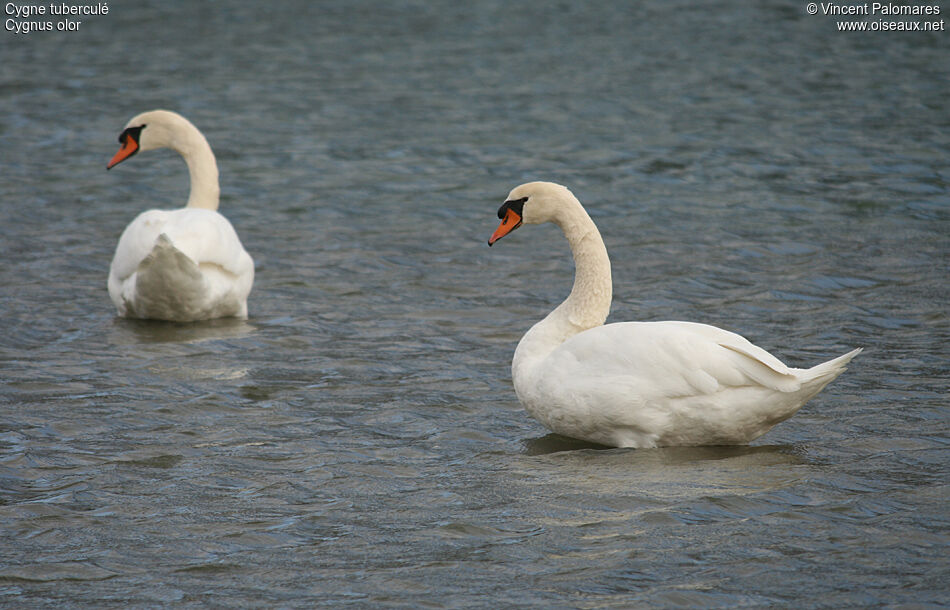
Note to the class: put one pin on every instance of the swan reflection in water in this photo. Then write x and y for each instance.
(555, 443)
(154, 342)
(664, 474)
(130, 331)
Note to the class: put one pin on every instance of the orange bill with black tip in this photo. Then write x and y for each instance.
(511, 213)
(509, 223)
(129, 140)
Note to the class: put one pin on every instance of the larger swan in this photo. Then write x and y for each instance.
(641, 384)
(181, 265)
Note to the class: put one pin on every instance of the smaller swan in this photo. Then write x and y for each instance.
(179, 265)
(641, 384)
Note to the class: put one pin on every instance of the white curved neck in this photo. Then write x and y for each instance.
(589, 302)
(202, 168)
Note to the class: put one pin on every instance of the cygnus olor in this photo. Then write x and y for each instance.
(641, 384)
(186, 264)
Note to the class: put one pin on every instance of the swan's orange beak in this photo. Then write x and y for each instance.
(129, 147)
(509, 223)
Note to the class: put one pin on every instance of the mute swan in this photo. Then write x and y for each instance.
(181, 265)
(641, 384)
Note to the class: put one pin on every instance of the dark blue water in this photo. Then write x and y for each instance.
(357, 440)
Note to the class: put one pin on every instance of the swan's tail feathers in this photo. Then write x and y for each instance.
(168, 285)
(835, 366)
(821, 375)
(168, 265)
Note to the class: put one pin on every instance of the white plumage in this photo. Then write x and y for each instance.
(641, 384)
(186, 264)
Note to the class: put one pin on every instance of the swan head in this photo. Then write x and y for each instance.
(148, 131)
(531, 203)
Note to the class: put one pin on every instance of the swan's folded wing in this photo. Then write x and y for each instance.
(136, 242)
(667, 360)
(763, 368)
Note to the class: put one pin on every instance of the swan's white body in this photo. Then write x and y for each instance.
(181, 265)
(642, 384)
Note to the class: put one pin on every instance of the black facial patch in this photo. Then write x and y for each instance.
(131, 132)
(516, 205)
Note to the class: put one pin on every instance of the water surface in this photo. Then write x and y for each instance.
(357, 440)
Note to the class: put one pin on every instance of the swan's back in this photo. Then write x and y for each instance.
(183, 265)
